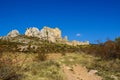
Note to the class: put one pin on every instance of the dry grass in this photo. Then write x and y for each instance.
(33, 69)
(54, 56)
(22, 66)
(106, 68)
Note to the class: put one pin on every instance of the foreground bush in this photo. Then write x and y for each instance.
(9, 70)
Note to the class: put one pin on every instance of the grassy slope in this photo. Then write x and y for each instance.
(32, 69)
(106, 69)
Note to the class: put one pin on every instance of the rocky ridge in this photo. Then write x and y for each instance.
(46, 33)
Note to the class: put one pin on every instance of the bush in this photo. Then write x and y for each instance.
(108, 50)
(41, 54)
(8, 69)
(8, 72)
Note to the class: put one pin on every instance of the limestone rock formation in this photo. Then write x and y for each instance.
(46, 33)
(13, 33)
(75, 43)
(33, 32)
(52, 34)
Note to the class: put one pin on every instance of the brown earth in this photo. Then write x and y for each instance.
(78, 72)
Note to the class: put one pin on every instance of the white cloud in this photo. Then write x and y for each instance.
(78, 34)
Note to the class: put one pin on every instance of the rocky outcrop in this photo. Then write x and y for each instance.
(52, 34)
(25, 48)
(46, 33)
(13, 33)
(33, 32)
(75, 43)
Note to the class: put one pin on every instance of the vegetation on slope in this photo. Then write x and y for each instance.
(34, 64)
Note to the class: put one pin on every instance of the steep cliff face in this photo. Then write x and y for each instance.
(13, 33)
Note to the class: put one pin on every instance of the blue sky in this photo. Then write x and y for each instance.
(78, 19)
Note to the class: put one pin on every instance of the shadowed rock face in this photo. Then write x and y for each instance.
(13, 33)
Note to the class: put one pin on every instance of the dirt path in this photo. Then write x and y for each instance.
(78, 72)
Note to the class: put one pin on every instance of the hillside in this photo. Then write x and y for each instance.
(29, 57)
(51, 34)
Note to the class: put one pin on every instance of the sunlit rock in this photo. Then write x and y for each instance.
(32, 32)
(13, 33)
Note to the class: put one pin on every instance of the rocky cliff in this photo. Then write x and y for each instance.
(46, 33)
(51, 34)
(33, 32)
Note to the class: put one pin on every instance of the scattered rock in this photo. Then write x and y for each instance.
(93, 71)
(69, 68)
(114, 77)
(80, 73)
